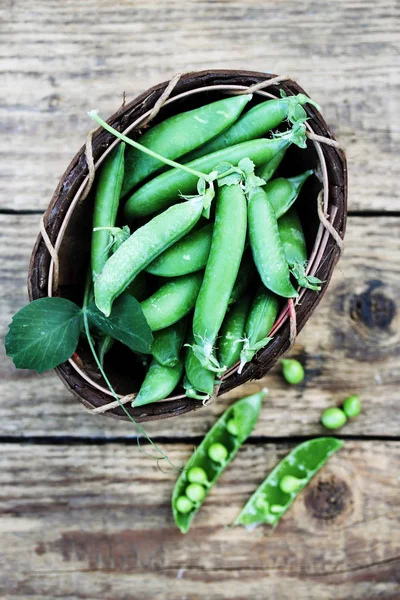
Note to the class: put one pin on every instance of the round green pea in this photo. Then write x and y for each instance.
(183, 505)
(333, 418)
(290, 484)
(352, 406)
(276, 509)
(262, 504)
(195, 492)
(232, 427)
(292, 370)
(197, 475)
(218, 453)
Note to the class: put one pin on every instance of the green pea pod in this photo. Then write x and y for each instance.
(142, 247)
(165, 189)
(294, 245)
(247, 273)
(199, 380)
(167, 343)
(269, 257)
(173, 301)
(232, 332)
(244, 413)
(267, 170)
(256, 122)
(159, 383)
(282, 193)
(228, 240)
(274, 496)
(261, 317)
(106, 206)
(180, 134)
(188, 255)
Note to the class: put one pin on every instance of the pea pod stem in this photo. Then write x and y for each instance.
(93, 114)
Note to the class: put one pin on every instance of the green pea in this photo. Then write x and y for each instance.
(333, 418)
(197, 475)
(143, 246)
(172, 301)
(232, 427)
(290, 484)
(106, 206)
(218, 453)
(276, 509)
(292, 370)
(195, 492)
(183, 505)
(262, 504)
(352, 406)
(269, 258)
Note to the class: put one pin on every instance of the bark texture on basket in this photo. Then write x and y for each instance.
(77, 171)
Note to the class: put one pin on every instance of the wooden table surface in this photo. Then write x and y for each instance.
(84, 514)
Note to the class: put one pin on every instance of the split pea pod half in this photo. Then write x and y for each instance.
(188, 255)
(282, 193)
(172, 301)
(266, 245)
(294, 245)
(212, 456)
(158, 383)
(167, 343)
(199, 381)
(227, 245)
(178, 135)
(260, 319)
(165, 189)
(232, 332)
(256, 122)
(274, 496)
(142, 247)
(106, 207)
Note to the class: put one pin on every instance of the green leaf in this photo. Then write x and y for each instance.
(44, 334)
(127, 323)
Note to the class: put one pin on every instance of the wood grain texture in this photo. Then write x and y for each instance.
(95, 522)
(352, 344)
(59, 61)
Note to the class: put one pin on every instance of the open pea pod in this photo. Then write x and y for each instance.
(277, 492)
(212, 456)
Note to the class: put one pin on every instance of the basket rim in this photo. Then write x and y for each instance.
(319, 245)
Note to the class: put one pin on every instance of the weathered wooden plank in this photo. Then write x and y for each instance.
(95, 522)
(58, 62)
(352, 344)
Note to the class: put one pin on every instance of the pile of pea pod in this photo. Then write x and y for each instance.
(210, 269)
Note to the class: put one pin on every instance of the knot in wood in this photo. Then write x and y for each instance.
(373, 308)
(328, 498)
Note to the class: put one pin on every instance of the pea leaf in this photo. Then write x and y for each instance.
(126, 323)
(44, 334)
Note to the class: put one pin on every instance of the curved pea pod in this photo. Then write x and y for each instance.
(178, 135)
(267, 170)
(158, 383)
(232, 332)
(172, 301)
(106, 207)
(199, 381)
(266, 246)
(274, 496)
(244, 413)
(142, 247)
(247, 273)
(294, 245)
(282, 193)
(188, 255)
(228, 240)
(256, 122)
(104, 345)
(167, 343)
(165, 189)
(262, 315)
